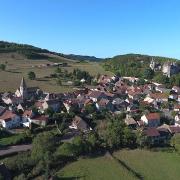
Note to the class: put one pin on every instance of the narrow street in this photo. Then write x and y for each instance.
(15, 149)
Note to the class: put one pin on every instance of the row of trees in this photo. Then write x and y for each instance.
(78, 77)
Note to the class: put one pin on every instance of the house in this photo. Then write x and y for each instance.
(9, 120)
(73, 103)
(152, 135)
(96, 95)
(131, 79)
(2, 109)
(119, 104)
(151, 119)
(104, 104)
(104, 79)
(177, 108)
(140, 123)
(162, 89)
(149, 100)
(54, 104)
(135, 95)
(177, 120)
(8, 99)
(79, 124)
(159, 97)
(39, 106)
(176, 89)
(50, 96)
(29, 117)
(174, 129)
(130, 122)
(133, 108)
(164, 134)
(173, 96)
(41, 120)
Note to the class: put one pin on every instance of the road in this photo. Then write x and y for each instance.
(15, 149)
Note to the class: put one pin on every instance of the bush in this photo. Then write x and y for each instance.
(2, 67)
(66, 149)
(31, 75)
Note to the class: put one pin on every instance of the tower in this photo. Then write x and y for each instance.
(152, 64)
(23, 88)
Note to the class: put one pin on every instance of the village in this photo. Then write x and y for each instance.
(150, 108)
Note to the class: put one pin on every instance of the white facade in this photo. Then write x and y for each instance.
(11, 123)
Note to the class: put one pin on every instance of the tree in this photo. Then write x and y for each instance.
(58, 70)
(114, 133)
(31, 75)
(59, 82)
(148, 73)
(66, 149)
(80, 146)
(141, 81)
(93, 142)
(161, 78)
(49, 111)
(2, 67)
(90, 108)
(43, 143)
(175, 142)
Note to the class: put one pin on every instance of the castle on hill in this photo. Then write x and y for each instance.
(168, 68)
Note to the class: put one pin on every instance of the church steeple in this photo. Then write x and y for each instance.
(23, 88)
(23, 83)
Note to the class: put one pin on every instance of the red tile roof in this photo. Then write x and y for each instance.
(7, 115)
(40, 118)
(27, 113)
(151, 132)
(159, 96)
(174, 129)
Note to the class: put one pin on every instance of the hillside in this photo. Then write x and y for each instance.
(20, 59)
(132, 64)
(32, 52)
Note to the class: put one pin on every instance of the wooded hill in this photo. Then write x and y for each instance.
(132, 64)
(32, 52)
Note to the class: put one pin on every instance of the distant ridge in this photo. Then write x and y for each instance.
(32, 52)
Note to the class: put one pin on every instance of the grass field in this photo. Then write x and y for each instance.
(18, 66)
(151, 165)
(101, 168)
(127, 164)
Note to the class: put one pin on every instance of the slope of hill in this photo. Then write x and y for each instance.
(32, 52)
(132, 64)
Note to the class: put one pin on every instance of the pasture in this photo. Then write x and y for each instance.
(126, 165)
(101, 168)
(18, 66)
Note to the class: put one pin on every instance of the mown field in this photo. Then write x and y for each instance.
(151, 165)
(127, 164)
(18, 66)
(101, 168)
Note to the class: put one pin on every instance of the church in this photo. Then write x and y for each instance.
(25, 92)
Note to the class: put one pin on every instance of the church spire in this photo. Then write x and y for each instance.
(23, 83)
(23, 89)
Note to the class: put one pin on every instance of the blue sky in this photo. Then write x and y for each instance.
(103, 28)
